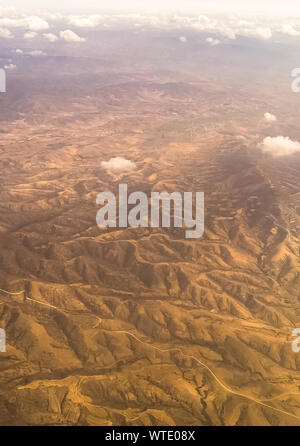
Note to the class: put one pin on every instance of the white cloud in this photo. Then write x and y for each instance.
(269, 117)
(51, 37)
(5, 33)
(36, 53)
(230, 27)
(10, 66)
(258, 32)
(30, 23)
(183, 39)
(201, 23)
(30, 35)
(290, 30)
(119, 164)
(18, 51)
(263, 33)
(35, 23)
(279, 146)
(213, 42)
(86, 21)
(70, 36)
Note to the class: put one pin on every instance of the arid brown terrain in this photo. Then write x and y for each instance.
(142, 326)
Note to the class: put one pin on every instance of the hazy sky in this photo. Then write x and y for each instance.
(271, 6)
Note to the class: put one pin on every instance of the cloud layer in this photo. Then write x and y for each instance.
(229, 26)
